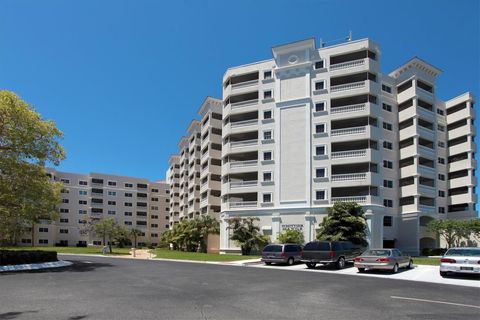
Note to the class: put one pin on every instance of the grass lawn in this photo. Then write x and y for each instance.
(180, 255)
(427, 261)
(88, 250)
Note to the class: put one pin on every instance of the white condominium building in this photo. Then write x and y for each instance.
(314, 126)
(132, 202)
(194, 174)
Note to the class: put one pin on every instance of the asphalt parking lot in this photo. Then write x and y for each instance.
(109, 288)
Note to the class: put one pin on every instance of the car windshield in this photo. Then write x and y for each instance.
(463, 252)
(272, 248)
(377, 253)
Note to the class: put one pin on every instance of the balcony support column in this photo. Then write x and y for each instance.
(276, 220)
(309, 227)
(374, 231)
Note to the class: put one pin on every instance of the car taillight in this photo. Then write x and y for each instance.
(283, 254)
(301, 255)
(358, 259)
(448, 260)
(332, 254)
(383, 260)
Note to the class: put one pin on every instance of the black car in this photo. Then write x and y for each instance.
(329, 252)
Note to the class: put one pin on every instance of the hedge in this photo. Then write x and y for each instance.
(433, 251)
(9, 257)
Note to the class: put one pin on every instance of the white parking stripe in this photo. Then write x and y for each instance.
(434, 301)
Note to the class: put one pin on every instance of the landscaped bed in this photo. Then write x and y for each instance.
(427, 261)
(16, 257)
(196, 256)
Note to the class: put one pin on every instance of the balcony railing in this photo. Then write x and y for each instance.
(239, 184)
(242, 204)
(350, 108)
(245, 84)
(243, 123)
(243, 143)
(358, 199)
(348, 131)
(349, 176)
(349, 154)
(241, 104)
(348, 64)
(347, 86)
(242, 164)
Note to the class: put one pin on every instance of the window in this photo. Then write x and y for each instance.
(441, 177)
(387, 126)
(128, 204)
(82, 192)
(441, 160)
(26, 240)
(154, 208)
(441, 144)
(386, 88)
(63, 230)
(153, 225)
(154, 216)
(141, 204)
(267, 135)
(128, 185)
(388, 183)
(441, 128)
(64, 191)
(267, 94)
(320, 128)
(82, 221)
(319, 65)
(112, 203)
(82, 201)
(267, 198)
(320, 195)
(320, 150)
(112, 193)
(388, 164)
(141, 223)
(441, 193)
(42, 229)
(64, 200)
(128, 214)
(319, 106)
(112, 183)
(141, 214)
(82, 182)
(320, 172)
(62, 210)
(128, 195)
(111, 212)
(267, 114)
(155, 199)
(267, 176)
(97, 242)
(65, 181)
(387, 145)
(387, 107)
(267, 75)
(387, 221)
(82, 211)
(320, 85)
(141, 185)
(128, 223)
(387, 203)
(97, 181)
(43, 241)
(440, 112)
(154, 190)
(267, 155)
(441, 209)
(63, 220)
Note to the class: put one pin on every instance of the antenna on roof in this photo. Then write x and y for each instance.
(348, 38)
(349, 35)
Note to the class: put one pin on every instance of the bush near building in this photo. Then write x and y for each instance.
(291, 236)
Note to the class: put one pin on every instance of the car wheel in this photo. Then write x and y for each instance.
(443, 273)
(311, 265)
(340, 263)
(361, 270)
(268, 263)
(395, 268)
(410, 265)
(290, 261)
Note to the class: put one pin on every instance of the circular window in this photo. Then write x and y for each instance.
(293, 59)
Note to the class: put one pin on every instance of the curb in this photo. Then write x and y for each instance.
(35, 266)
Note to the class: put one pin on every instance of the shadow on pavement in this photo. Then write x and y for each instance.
(462, 276)
(14, 314)
(77, 266)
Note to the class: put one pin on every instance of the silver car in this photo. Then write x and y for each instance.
(383, 259)
(460, 260)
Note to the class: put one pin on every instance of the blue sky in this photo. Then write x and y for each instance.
(123, 79)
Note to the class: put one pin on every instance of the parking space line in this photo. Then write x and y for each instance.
(435, 301)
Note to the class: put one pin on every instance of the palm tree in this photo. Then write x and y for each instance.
(135, 233)
(206, 225)
(246, 233)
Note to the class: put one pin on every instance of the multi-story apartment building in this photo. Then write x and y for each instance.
(194, 174)
(311, 127)
(132, 202)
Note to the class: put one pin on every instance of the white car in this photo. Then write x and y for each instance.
(460, 260)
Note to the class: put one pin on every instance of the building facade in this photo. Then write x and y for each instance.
(132, 202)
(314, 126)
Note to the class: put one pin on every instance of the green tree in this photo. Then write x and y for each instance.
(27, 143)
(345, 221)
(121, 236)
(106, 228)
(453, 231)
(247, 234)
(206, 225)
(135, 233)
(291, 236)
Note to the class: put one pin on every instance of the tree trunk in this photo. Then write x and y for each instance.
(33, 234)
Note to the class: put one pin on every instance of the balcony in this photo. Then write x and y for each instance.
(349, 108)
(351, 81)
(245, 123)
(348, 131)
(242, 204)
(348, 86)
(358, 199)
(348, 64)
(243, 164)
(242, 184)
(242, 100)
(349, 154)
(243, 143)
(349, 177)
(359, 194)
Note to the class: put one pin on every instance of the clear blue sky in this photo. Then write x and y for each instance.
(123, 79)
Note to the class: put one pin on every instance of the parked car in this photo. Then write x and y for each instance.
(383, 259)
(329, 252)
(460, 260)
(288, 253)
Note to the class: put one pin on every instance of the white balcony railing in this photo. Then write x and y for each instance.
(243, 164)
(244, 84)
(347, 86)
(349, 176)
(349, 154)
(242, 204)
(243, 123)
(358, 199)
(239, 184)
(348, 64)
(241, 104)
(243, 143)
(348, 131)
(349, 108)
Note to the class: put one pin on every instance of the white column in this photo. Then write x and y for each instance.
(275, 226)
(368, 231)
(309, 227)
(224, 234)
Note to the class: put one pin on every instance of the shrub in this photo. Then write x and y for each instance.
(11, 257)
(433, 251)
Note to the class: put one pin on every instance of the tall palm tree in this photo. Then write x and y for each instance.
(135, 233)
(207, 225)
